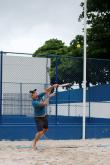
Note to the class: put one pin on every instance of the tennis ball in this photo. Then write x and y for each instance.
(78, 45)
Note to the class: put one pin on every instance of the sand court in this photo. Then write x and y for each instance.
(51, 152)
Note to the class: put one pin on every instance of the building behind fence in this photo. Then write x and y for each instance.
(20, 75)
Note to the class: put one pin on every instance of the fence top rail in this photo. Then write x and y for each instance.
(45, 56)
(51, 56)
(24, 83)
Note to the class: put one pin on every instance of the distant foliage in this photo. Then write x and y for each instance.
(70, 70)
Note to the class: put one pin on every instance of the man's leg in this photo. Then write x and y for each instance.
(42, 127)
(45, 130)
(40, 132)
(36, 139)
(38, 136)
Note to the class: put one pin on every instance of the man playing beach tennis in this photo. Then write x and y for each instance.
(39, 102)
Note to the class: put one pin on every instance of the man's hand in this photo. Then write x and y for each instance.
(56, 85)
(48, 90)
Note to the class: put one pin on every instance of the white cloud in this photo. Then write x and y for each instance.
(27, 24)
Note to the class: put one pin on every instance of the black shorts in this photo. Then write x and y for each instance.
(41, 123)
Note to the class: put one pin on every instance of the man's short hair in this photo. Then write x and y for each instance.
(33, 91)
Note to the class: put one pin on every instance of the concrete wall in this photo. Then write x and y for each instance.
(20, 75)
(26, 70)
(93, 109)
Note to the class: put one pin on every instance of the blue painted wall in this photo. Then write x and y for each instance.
(68, 96)
(94, 94)
(22, 127)
(99, 93)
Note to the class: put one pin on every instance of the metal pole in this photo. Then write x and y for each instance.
(56, 89)
(1, 70)
(69, 102)
(84, 72)
(47, 83)
(21, 106)
(89, 90)
(47, 70)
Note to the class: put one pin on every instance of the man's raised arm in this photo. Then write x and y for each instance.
(49, 89)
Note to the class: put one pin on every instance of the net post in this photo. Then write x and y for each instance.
(84, 75)
(56, 69)
(1, 72)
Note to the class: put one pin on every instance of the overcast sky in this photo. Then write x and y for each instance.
(26, 24)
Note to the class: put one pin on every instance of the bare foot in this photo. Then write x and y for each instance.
(34, 148)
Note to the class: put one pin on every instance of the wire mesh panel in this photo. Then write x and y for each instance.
(98, 98)
(68, 72)
(16, 98)
(23, 69)
(98, 83)
(11, 99)
(1, 71)
(21, 74)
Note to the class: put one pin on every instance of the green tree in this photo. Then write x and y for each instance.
(98, 39)
(73, 50)
(72, 67)
(69, 68)
(53, 47)
(98, 32)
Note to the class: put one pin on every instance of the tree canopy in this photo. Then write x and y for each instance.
(98, 39)
(98, 32)
(52, 46)
(67, 71)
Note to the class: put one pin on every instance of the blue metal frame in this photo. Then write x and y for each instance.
(1, 71)
(56, 88)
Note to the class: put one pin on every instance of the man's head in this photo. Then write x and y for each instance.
(34, 94)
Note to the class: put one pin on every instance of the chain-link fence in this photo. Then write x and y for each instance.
(16, 98)
(19, 75)
(98, 88)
